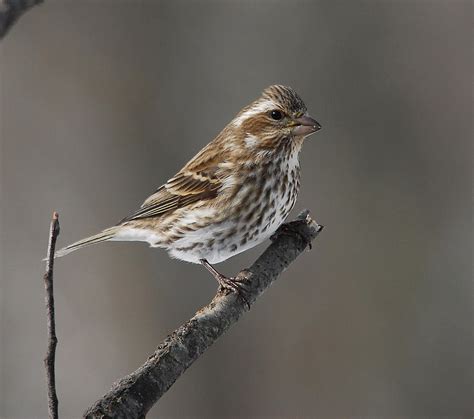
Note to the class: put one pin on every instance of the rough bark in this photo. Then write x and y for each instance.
(135, 394)
(49, 359)
(11, 10)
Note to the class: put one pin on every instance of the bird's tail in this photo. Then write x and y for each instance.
(103, 236)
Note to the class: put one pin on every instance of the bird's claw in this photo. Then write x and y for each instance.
(235, 284)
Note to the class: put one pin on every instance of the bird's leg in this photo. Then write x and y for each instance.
(234, 284)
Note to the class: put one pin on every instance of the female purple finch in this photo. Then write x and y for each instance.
(232, 195)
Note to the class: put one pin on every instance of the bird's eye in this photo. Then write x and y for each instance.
(276, 114)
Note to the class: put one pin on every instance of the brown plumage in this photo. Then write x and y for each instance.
(233, 194)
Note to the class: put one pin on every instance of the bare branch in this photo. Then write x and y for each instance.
(49, 300)
(134, 395)
(11, 10)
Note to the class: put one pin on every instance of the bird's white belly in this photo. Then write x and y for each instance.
(220, 241)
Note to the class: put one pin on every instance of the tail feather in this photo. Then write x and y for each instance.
(103, 236)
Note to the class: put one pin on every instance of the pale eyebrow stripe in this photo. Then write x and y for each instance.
(254, 110)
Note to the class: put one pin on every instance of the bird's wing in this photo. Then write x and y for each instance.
(187, 187)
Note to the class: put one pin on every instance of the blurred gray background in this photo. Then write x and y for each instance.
(102, 101)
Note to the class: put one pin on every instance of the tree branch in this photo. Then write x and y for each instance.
(134, 395)
(49, 300)
(11, 10)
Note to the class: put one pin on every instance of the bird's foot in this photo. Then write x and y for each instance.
(235, 284)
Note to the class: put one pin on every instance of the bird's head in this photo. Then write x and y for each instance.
(278, 116)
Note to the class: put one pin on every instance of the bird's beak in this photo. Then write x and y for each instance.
(305, 125)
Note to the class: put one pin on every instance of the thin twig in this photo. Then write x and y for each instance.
(134, 395)
(49, 300)
(11, 10)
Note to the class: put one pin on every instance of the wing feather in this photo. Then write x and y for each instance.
(184, 189)
(200, 179)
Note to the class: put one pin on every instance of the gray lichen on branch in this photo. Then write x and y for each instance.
(134, 395)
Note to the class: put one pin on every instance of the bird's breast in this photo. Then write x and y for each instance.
(275, 190)
(259, 203)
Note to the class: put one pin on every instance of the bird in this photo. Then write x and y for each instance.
(232, 195)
